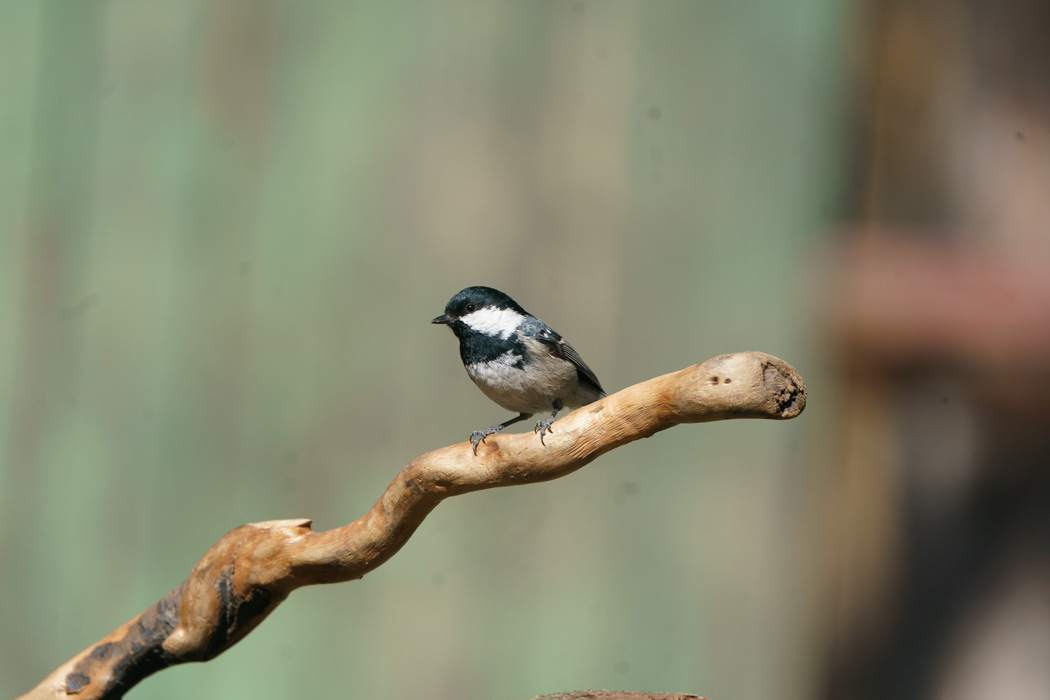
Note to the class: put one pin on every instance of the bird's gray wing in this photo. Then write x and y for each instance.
(561, 348)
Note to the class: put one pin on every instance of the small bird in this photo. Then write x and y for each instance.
(516, 359)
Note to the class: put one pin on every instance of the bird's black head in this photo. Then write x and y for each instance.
(473, 299)
(485, 321)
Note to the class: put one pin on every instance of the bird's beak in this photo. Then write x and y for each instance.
(443, 318)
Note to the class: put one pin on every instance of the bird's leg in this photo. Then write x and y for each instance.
(479, 435)
(544, 426)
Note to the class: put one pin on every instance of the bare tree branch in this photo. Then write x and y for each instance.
(617, 695)
(252, 568)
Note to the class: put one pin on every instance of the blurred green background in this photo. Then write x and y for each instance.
(226, 225)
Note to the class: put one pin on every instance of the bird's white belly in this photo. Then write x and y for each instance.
(529, 389)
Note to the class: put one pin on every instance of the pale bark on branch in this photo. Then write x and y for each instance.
(252, 568)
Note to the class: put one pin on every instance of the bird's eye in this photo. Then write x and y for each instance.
(471, 307)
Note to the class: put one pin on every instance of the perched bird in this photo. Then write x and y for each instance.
(516, 359)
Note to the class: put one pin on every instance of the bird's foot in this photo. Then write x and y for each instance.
(543, 427)
(480, 435)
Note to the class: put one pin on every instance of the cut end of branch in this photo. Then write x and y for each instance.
(737, 385)
(785, 386)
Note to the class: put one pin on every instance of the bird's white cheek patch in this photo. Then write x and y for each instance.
(501, 322)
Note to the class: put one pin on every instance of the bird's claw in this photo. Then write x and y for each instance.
(543, 427)
(480, 435)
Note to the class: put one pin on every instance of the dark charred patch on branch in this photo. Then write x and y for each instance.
(138, 654)
(235, 613)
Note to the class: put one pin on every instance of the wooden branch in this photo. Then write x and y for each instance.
(617, 695)
(252, 568)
